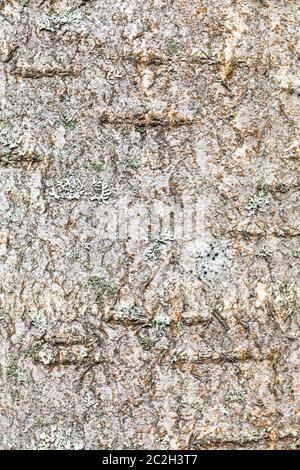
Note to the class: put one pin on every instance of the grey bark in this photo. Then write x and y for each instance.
(162, 340)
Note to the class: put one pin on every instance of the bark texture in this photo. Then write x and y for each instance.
(167, 340)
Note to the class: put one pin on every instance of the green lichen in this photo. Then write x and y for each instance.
(286, 303)
(12, 369)
(180, 328)
(102, 288)
(68, 121)
(146, 342)
(131, 163)
(264, 253)
(15, 395)
(33, 350)
(98, 165)
(171, 47)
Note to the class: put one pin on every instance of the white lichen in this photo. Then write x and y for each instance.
(101, 192)
(46, 357)
(160, 321)
(129, 313)
(69, 19)
(57, 438)
(70, 187)
(157, 245)
(257, 203)
(89, 399)
(39, 321)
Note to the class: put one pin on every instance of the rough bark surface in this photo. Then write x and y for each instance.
(165, 341)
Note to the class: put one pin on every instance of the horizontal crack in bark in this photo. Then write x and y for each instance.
(34, 73)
